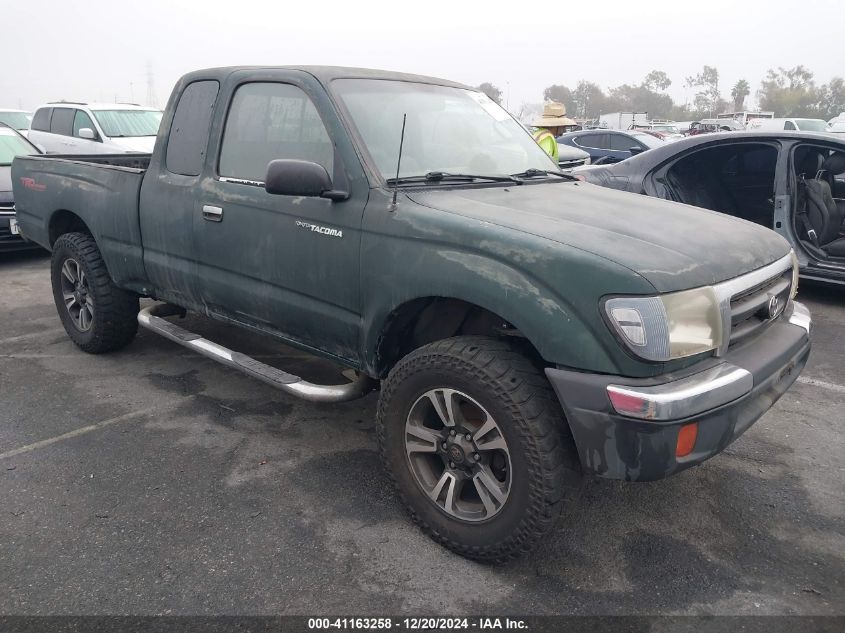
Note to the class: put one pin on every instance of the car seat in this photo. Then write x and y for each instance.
(824, 215)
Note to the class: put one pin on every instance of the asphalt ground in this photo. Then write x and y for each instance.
(155, 481)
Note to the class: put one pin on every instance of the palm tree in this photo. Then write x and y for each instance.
(740, 90)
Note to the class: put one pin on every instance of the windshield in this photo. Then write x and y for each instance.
(811, 125)
(17, 120)
(450, 130)
(648, 140)
(13, 144)
(116, 123)
(670, 129)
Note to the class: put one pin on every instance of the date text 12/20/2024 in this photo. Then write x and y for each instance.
(417, 624)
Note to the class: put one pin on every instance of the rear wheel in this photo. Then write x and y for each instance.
(477, 445)
(96, 314)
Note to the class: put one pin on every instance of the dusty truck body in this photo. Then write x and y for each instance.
(523, 327)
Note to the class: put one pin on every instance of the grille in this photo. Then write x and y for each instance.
(750, 308)
(571, 163)
(5, 228)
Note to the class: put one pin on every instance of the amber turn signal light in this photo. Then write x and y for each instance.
(686, 439)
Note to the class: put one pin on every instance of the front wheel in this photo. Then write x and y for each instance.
(477, 445)
(96, 314)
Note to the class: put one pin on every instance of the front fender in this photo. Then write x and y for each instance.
(549, 291)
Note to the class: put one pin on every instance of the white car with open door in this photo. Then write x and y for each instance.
(95, 128)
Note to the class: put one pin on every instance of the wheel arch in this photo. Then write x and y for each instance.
(65, 221)
(422, 320)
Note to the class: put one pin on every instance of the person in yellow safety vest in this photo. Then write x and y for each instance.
(550, 125)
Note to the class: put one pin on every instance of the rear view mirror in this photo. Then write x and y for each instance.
(87, 133)
(636, 150)
(289, 177)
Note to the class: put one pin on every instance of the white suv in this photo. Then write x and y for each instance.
(94, 128)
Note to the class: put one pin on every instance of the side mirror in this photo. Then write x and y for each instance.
(87, 133)
(289, 177)
(636, 150)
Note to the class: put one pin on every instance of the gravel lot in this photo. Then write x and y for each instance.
(155, 481)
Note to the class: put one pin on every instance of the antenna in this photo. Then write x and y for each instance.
(152, 100)
(398, 163)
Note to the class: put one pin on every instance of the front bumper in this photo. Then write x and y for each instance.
(725, 396)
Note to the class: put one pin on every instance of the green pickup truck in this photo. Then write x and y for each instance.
(523, 327)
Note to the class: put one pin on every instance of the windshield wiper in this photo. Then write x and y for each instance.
(442, 176)
(533, 172)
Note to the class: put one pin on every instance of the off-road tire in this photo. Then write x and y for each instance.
(545, 466)
(114, 323)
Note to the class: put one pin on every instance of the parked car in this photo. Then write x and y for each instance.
(569, 157)
(95, 128)
(708, 126)
(801, 125)
(792, 182)
(12, 144)
(663, 136)
(664, 130)
(523, 326)
(666, 127)
(683, 126)
(17, 119)
(610, 146)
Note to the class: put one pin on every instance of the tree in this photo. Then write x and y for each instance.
(589, 100)
(789, 92)
(708, 98)
(557, 92)
(491, 91)
(628, 98)
(646, 97)
(740, 90)
(656, 80)
(831, 98)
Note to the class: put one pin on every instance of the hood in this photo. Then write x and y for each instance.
(673, 246)
(143, 144)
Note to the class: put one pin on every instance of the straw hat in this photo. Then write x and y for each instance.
(554, 115)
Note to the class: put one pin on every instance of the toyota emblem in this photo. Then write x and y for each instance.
(775, 306)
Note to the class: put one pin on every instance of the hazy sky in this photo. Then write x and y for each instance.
(98, 51)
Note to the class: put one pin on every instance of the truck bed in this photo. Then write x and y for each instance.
(100, 190)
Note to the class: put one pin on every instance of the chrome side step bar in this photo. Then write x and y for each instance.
(151, 319)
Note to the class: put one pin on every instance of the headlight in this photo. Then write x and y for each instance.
(794, 289)
(668, 326)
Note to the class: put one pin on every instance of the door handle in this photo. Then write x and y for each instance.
(212, 213)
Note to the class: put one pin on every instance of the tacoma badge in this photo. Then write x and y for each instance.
(319, 229)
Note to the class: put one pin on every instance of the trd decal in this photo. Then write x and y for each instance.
(30, 183)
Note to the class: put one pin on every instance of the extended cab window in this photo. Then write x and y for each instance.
(188, 139)
(62, 121)
(82, 120)
(268, 121)
(41, 120)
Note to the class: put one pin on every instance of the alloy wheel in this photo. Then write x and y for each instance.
(458, 455)
(77, 295)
